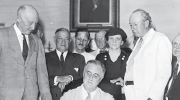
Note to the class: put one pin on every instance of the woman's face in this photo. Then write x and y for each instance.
(115, 41)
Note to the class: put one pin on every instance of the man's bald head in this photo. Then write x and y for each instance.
(27, 18)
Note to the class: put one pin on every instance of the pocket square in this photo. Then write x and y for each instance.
(76, 69)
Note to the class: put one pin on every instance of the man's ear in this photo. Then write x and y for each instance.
(19, 18)
(122, 42)
(54, 39)
(146, 23)
(88, 42)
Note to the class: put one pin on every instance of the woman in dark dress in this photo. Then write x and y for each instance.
(115, 63)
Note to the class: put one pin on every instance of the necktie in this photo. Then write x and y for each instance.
(174, 76)
(62, 59)
(25, 48)
(135, 51)
(89, 96)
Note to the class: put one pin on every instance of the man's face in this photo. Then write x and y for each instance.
(27, 21)
(176, 46)
(62, 40)
(81, 41)
(137, 24)
(92, 76)
(115, 41)
(100, 40)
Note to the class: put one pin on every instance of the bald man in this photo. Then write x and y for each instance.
(23, 72)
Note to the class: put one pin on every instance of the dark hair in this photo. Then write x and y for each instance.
(116, 31)
(82, 30)
(96, 62)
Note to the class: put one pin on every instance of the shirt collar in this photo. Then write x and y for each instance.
(18, 32)
(85, 94)
(59, 53)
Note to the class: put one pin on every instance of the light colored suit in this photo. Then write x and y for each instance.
(76, 94)
(152, 66)
(21, 80)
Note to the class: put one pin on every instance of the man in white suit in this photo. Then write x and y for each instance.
(149, 65)
(93, 74)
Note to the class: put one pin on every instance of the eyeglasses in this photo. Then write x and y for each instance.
(176, 45)
(95, 75)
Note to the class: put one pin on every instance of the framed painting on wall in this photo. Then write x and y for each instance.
(94, 14)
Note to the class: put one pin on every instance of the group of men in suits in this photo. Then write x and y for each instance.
(24, 75)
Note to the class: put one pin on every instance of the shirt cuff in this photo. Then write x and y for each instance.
(71, 77)
(122, 89)
(55, 80)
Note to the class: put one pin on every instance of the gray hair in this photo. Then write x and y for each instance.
(145, 15)
(96, 62)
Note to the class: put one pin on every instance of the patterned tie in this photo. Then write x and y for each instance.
(135, 51)
(174, 76)
(89, 96)
(62, 59)
(25, 48)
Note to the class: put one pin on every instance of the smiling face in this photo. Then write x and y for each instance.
(27, 19)
(81, 40)
(92, 76)
(62, 40)
(176, 46)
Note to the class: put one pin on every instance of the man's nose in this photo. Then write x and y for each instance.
(33, 26)
(91, 77)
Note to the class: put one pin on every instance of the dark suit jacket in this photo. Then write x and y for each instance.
(72, 61)
(175, 90)
(21, 80)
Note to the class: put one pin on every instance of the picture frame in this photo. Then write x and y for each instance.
(83, 15)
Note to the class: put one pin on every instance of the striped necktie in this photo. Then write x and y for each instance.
(89, 96)
(135, 51)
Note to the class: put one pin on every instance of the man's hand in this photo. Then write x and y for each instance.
(64, 79)
(62, 85)
(118, 81)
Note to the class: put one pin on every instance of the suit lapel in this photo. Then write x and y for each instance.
(15, 46)
(69, 59)
(149, 37)
(55, 59)
(177, 81)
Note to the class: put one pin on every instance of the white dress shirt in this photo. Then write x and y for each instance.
(64, 56)
(87, 56)
(85, 93)
(20, 36)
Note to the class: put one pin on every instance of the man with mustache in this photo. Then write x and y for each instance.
(82, 37)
